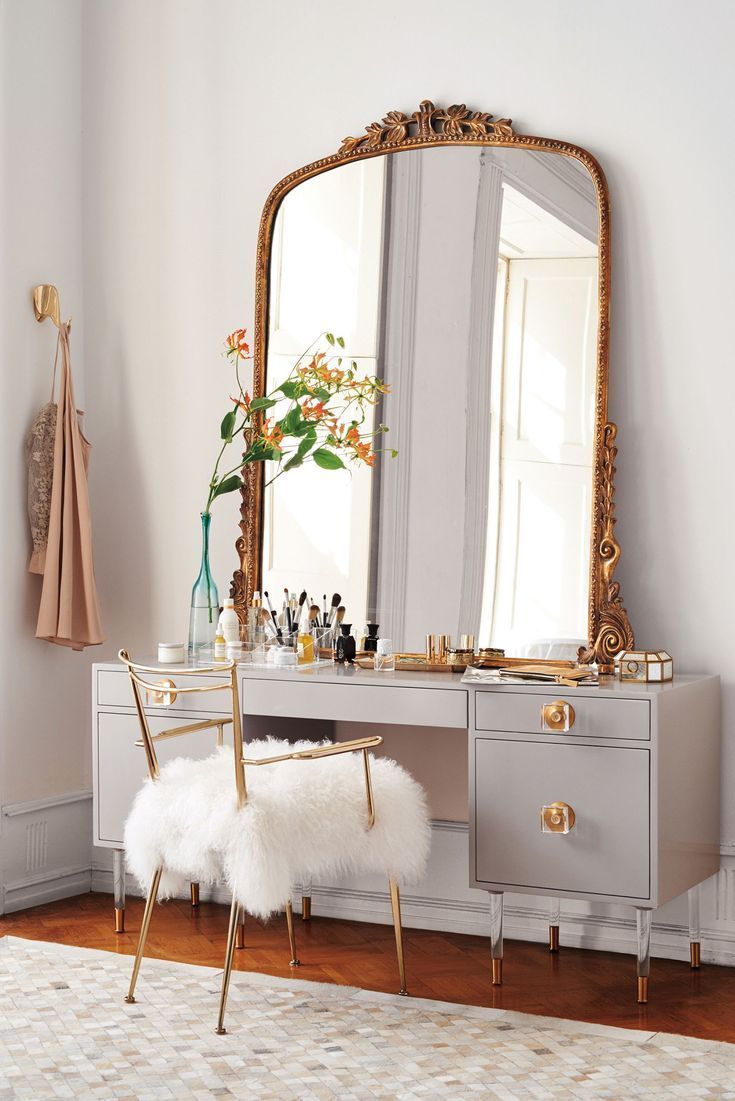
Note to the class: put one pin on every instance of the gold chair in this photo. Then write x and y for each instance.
(163, 694)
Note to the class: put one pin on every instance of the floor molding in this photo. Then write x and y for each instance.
(47, 855)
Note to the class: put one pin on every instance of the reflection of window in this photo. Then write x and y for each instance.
(325, 272)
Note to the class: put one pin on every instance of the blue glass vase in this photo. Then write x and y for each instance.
(204, 604)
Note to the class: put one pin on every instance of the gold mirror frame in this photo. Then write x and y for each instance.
(609, 628)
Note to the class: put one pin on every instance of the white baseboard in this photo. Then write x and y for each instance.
(46, 855)
(443, 901)
(45, 850)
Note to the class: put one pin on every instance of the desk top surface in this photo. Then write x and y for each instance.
(331, 673)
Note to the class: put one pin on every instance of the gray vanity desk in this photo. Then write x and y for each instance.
(629, 793)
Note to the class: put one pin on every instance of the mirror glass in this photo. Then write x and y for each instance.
(466, 278)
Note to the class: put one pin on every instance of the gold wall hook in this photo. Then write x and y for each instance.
(46, 303)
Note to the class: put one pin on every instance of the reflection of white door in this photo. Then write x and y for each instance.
(546, 451)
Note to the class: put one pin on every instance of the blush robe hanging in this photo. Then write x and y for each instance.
(69, 613)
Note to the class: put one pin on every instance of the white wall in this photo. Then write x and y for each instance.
(44, 723)
(193, 109)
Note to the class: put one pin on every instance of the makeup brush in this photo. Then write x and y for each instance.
(333, 610)
(267, 623)
(287, 610)
(324, 621)
(274, 617)
(314, 615)
(302, 601)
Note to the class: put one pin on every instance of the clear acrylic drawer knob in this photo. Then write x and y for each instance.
(557, 818)
(557, 717)
(164, 698)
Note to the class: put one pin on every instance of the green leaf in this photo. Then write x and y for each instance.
(291, 389)
(262, 403)
(327, 460)
(292, 421)
(260, 453)
(308, 442)
(227, 485)
(293, 462)
(228, 425)
(302, 429)
(341, 341)
(330, 338)
(321, 393)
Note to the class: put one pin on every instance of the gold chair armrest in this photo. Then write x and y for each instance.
(337, 747)
(357, 745)
(318, 751)
(190, 728)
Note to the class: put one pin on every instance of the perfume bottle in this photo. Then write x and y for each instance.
(371, 639)
(346, 646)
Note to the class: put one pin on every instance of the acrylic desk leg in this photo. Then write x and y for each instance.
(240, 929)
(643, 924)
(496, 936)
(554, 919)
(694, 931)
(118, 888)
(306, 901)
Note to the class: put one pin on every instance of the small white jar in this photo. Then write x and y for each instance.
(385, 659)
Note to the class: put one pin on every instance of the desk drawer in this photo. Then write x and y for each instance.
(595, 716)
(607, 851)
(355, 702)
(115, 690)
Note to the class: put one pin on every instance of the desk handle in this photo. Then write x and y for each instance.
(557, 818)
(557, 717)
(164, 698)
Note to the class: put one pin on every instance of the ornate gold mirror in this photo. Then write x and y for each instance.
(469, 266)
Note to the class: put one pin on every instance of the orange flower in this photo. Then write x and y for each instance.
(237, 345)
(314, 411)
(244, 404)
(271, 435)
(364, 453)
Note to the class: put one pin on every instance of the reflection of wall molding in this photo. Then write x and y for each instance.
(479, 382)
(560, 189)
(399, 328)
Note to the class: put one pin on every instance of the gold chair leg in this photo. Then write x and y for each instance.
(231, 933)
(294, 961)
(150, 902)
(395, 903)
(194, 887)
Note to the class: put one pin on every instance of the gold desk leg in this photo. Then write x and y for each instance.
(497, 972)
(306, 907)
(229, 952)
(150, 902)
(695, 955)
(240, 931)
(642, 989)
(119, 920)
(294, 961)
(553, 938)
(395, 904)
(194, 887)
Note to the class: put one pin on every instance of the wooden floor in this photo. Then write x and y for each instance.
(583, 985)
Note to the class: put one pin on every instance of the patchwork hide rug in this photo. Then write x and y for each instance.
(65, 1032)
